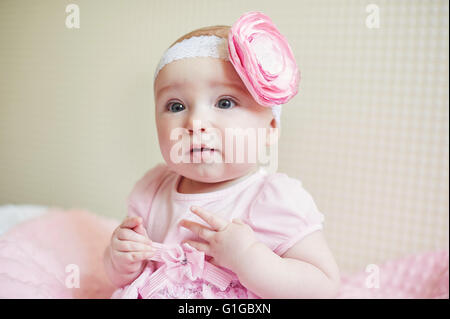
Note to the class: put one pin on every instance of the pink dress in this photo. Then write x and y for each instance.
(277, 207)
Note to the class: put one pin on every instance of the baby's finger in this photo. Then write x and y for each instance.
(128, 258)
(131, 222)
(131, 235)
(121, 262)
(199, 246)
(140, 229)
(131, 246)
(216, 222)
(201, 231)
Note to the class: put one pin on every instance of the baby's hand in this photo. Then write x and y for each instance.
(130, 246)
(227, 242)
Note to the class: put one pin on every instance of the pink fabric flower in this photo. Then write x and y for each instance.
(263, 59)
(183, 261)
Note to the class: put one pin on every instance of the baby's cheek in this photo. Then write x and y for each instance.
(164, 146)
(165, 142)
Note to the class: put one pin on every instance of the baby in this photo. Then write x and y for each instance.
(207, 225)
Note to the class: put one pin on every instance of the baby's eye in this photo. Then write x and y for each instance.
(226, 103)
(175, 107)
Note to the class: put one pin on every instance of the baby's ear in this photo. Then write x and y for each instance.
(273, 133)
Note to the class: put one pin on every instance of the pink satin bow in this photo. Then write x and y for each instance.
(182, 261)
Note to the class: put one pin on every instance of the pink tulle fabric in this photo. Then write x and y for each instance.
(34, 256)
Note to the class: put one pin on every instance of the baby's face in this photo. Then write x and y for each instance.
(197, 100)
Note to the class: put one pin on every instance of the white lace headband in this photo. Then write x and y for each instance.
(203, 46)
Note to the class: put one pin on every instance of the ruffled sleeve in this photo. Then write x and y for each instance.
(141, 197)
(283, 213)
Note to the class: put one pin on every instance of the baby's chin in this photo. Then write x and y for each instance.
(210, 173)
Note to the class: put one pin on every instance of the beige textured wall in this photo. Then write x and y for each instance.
(367, 134)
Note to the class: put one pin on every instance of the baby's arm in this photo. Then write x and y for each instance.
(127, 254)
(306, 270)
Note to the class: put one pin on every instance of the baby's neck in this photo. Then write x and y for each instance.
(189, 186)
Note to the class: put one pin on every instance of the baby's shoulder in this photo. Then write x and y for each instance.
(280, 189)
(280, 182)
(283, 213)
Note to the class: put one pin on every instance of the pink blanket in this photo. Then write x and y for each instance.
(42, 258)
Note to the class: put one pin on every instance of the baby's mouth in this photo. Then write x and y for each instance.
(202, 153)
(202, 149)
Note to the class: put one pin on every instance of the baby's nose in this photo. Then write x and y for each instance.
(196, 126)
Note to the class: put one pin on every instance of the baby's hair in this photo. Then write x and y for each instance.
(220, 31)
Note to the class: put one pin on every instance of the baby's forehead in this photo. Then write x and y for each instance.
(198, 72)
(200, 84)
